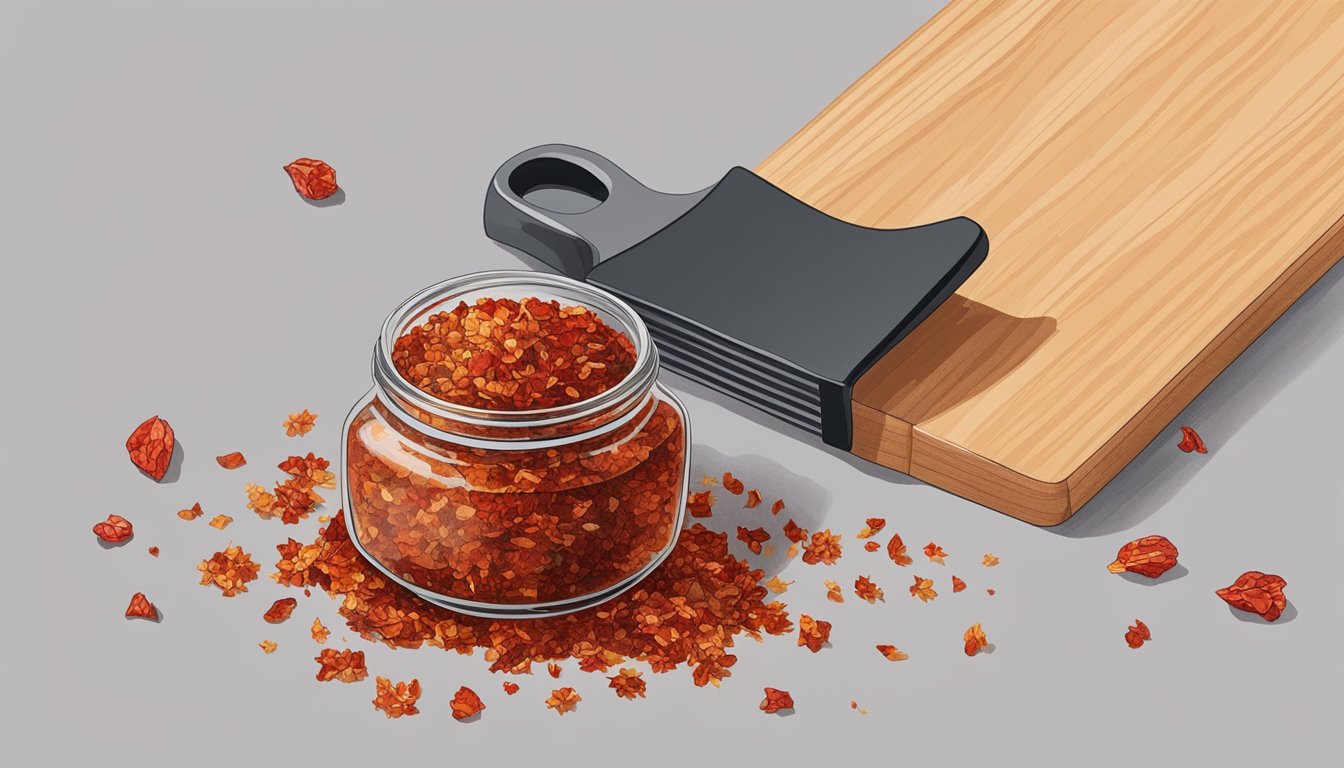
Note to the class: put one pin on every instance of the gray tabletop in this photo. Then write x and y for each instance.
(156, 260)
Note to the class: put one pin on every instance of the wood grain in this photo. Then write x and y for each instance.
(1159, 182)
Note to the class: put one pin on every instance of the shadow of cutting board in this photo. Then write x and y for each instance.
(1159, 182)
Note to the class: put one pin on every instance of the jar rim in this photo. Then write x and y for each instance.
(636, 383)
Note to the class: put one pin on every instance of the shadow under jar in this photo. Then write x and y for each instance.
(516, 513)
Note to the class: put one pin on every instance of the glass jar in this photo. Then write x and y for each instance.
(516, 513)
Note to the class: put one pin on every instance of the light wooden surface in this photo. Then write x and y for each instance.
(1159, 182)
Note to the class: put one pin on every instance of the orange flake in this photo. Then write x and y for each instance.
(776, 700)
(709, 480)
(825, 548)
(923, 589)
(935, 553)
(344, 665)
(563, 700)
(299, 424)
(892, 653)
(229, 570)
(833, 592)
(191, 514)
(261, 501)
(280, 610)
(871, 546)
(812, 633)
(154, 551)
(957, 584)
(628, 683)
(267, 646)
(989, 561)
(324, 518)
(319, 632)
(777, 585)
(221, 522)
(732, 484)
(510, 687)
(975, 640)
(553, 669)
(753, 499)
(311, 467)
(397, 700)
(141, 608)
(873, 526)
(753, 538)
(701, 504)
(777, 507)
(231, 460)
(466, 704)
(867, 590)
(896, 551)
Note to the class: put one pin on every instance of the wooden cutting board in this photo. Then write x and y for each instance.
(1159, 182)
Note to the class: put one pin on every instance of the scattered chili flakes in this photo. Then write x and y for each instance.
(833, 592)
(466, 704)
(344, 665)
(989, 561)
(1191, 441)
(776, 700)
(935, 553)
(114, 529)
(553, 668)
(896, 551)
(267, 646)
(873, 526)
(628, 683)
(1149, 556)
(855, 705)
(867, 590)
(151, 447)
(154, 551)
(220, 521)
(319, 632)
(871, 546)
(297, 499)
(1256, 592)
(1137, 634)
(141, 608)
(299, 424)
(261, 501)
(229, 570)
(397, 700)
(313, 179)
(311, 467)
(191, 514)
(231, 460)
(510, 687)
(793, 532)
(563, 700)
(825, 548)
(892, 653)
(957, 584)
(753, 499)
(753, 538)
(700, 504)
(280, 610)
(777, 585)
(975, 640)
(732, 484)
(777, 507)
(923, 589)
(813, 633)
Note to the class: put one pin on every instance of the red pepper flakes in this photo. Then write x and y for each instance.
(229, 570)
(299, 424)
(753, 538)
(794, 533)
(871, 546)
(344, 665)
(553, 669)
(1256, 592)
(191, 514)
(957, 584)
(313, 179)
(753, 499)
(989, 561)
(776, 700)
(280, 610)
(466, 704)
(154, 551)
(151, 447)
(867, 590)
(689, 610)
(510, 687)
(872, 526)
(732, 484)
(261, 501)
(563, 700)
(777, 507)
(892, 653)
(896, 551)
(975, 640)
(296, 499)
(989, 592)
(700, 504)
(114, 529)
(923, 589)
(825, 548)
(311, 467)
(833, 592)
(319, 632)
(777, 585)
(628, 683)
(231, 460)
(813, 633)
(1191, 441)
(397, 700)
(1149, 556)
(935, 553)
(1137, 634)
(220, 521)
(268, 646)
(141, 608)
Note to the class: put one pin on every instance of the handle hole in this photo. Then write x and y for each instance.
(558, 185)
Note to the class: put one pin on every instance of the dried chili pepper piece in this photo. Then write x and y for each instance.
(777, 585)
(141, 608)
(777, 507)
(923, 589)
(935, 553)
(975, 640)
(1137, 634)
(229, 570)
(231, 460)
(813, 634)
(220, 521)
(280, 610)
(563, 700)
(700, 504)
(114, 529)
(867, 590)
(776, 700)
(319, 632)
(553, 669)
(510, 687)
(299, 424)
(794, 533)
(896, 551)
(268, 646)
(753, 538)
(344, 665)
(824, 548)
(871, 546)
(957, 584)
(709, 480)
(1256, 592)
(313, 179)
(296, 499)
(151, 447)
(989, 561)
(892, 653)
(989, 592)
(312, 467)
(753, 499)
(397, 700)
(732, 484)
(466, 704)
(1191, 441)
(833, 592)
(154, 551)
(1149, 556)
(628, 683)
(872, 526)
(191, 514)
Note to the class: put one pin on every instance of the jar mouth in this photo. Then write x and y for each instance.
(516, 284)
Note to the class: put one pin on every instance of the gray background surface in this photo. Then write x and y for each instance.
(156, 260)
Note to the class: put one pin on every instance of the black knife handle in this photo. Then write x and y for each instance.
(625, 211)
